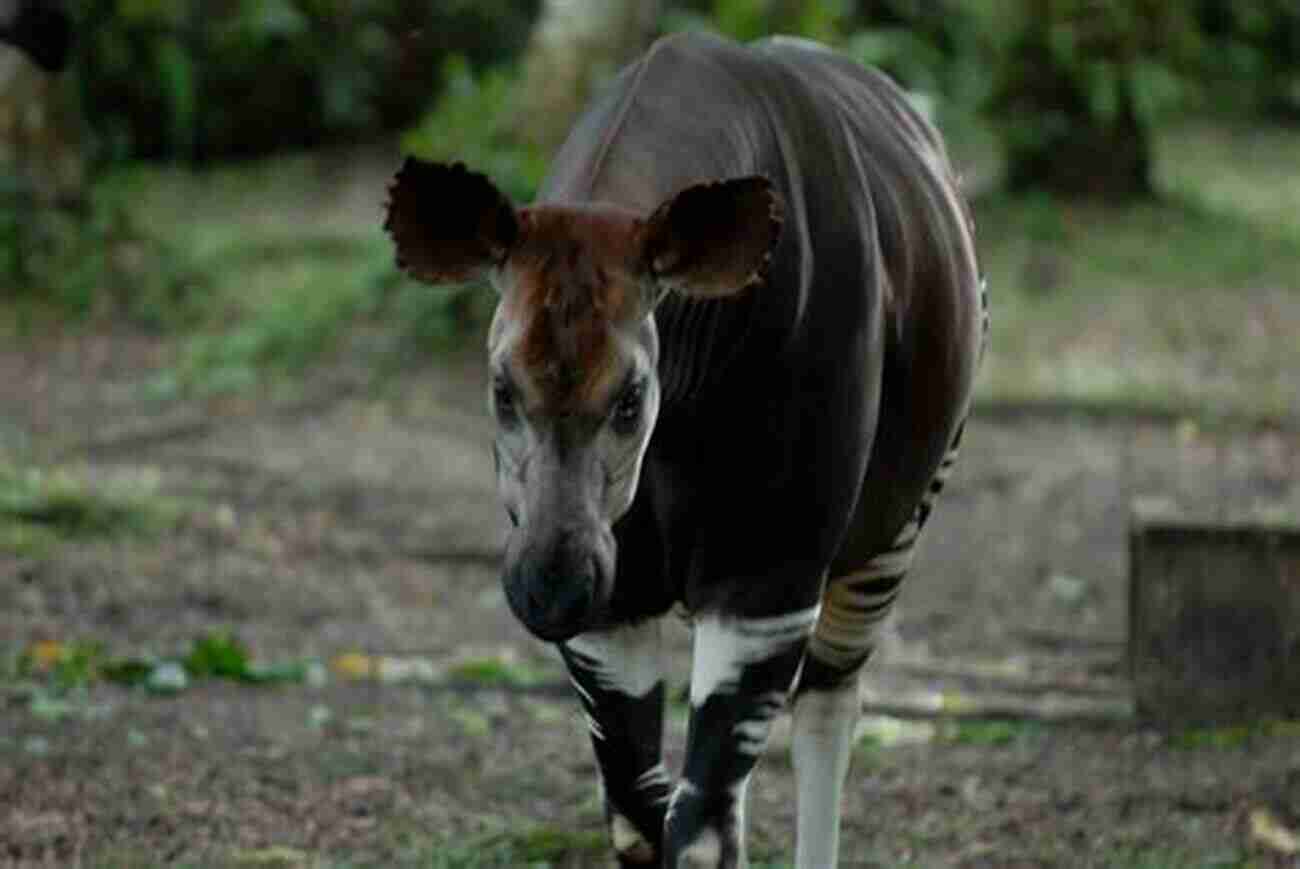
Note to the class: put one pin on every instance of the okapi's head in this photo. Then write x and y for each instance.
(573, 351)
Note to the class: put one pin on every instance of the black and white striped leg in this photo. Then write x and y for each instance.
(618, 675)
(826, 705)
(740, 679)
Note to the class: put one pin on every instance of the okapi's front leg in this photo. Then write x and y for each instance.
(740, 678)
(618, 675)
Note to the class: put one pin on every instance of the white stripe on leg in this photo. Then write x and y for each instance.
(821, 748)
(723, 648)
(627, 659)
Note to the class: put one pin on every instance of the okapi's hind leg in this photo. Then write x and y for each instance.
(826, 702)
(618, 675)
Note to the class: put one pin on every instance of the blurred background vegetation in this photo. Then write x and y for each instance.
(208, 170)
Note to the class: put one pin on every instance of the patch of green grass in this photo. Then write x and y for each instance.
(292, 309)
(495, 672)
(1234, 168)
(1165, 305)
(1171, 858)
(992, 732)
(40, 508)
(1232, 736)
(530, 846)
(49, 672)
(1182, 305)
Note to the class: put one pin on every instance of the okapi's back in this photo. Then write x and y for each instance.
(824, 129)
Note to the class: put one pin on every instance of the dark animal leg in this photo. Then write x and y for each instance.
(740, 679)
(618, 675)
(826, 704)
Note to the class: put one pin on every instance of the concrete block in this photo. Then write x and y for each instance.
(1214, 618)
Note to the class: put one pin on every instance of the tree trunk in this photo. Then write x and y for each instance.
(575, 47)
(39, 146)
(42, 171)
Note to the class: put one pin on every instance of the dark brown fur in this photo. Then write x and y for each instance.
(571, 281)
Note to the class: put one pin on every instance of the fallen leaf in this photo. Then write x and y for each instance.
(277, 855)
(353, 665)
(1268, 831)
(44, 654)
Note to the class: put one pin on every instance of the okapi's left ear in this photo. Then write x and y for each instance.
(448, 223)
(713, 239)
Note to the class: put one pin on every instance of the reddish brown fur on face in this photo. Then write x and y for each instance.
(571, 284)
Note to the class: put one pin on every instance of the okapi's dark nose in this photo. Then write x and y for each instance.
(555, 596)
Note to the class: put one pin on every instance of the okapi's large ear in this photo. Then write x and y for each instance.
(713, 239)
(448, 223)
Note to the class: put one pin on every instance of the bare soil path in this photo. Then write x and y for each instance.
(359, 518)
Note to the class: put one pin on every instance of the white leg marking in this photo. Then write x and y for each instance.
(594, 726)
(723, 647)
(627, 659)
(704, 853)
(683, 790)
(627, 841)
(821, 747)
(741, 793)
(751, 734)
(654, 776)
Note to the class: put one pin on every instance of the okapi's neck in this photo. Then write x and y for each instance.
(699, 342)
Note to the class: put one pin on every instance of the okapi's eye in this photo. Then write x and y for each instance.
(627, 409)
(503, 401)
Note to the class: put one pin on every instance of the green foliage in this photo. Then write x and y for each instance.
(1252, 57)
(51, 671)
(944, 50)
(1080, 85)
(195, 80)
(993, 732)
(494, 672)
(746, 20)
(530, 846)
(1234, 736)
(97, 258)
(472, 122)
(307, 293)
(38, 509)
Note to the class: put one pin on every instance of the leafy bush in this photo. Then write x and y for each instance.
(194, 80)
(95, 258)
(1253, 49)
(1079, 86)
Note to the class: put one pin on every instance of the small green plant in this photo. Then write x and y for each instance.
(531, 846)
(992, 732)
(314, 291)
(51, 671)
(96, 258)
(40, 508)
(1227, 737)
(495, 672)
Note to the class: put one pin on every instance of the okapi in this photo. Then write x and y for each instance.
(730, 365)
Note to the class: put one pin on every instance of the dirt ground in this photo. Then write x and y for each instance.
(348, 517)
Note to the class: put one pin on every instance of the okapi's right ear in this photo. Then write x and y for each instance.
(713, 239)
(448, 223)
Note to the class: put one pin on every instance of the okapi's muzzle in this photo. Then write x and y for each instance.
(558, 587)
